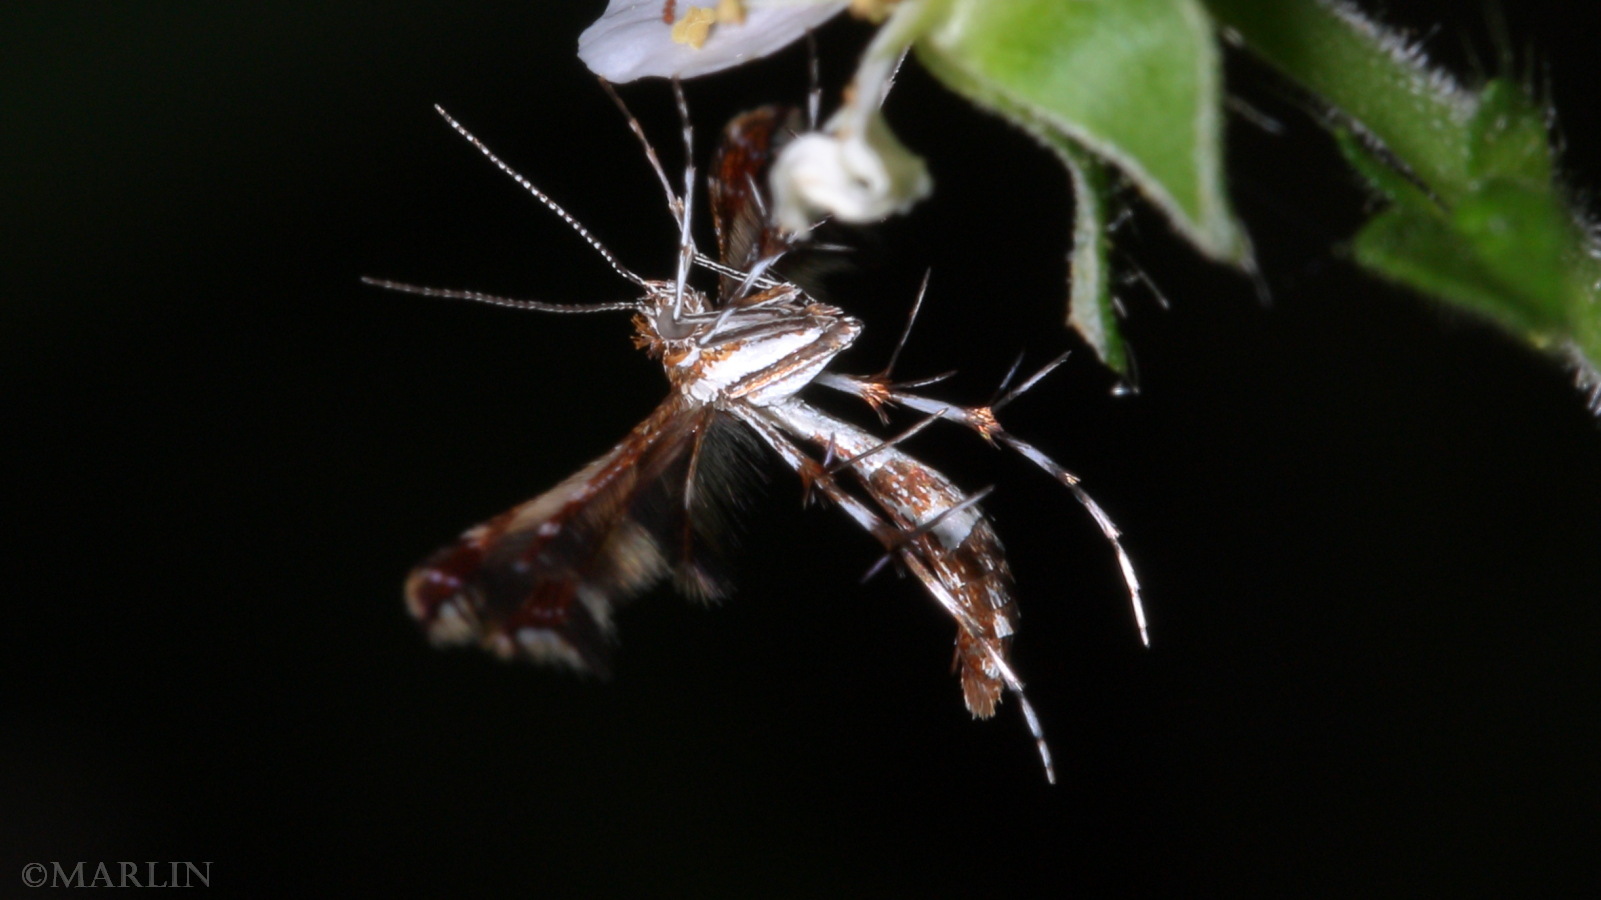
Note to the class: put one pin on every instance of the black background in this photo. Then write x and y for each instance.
(1368, 527)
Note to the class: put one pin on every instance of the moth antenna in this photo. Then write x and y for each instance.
(761, 279)
(906, 332)
(497, 300)
(542, 197)
(674, 203)
(706, 262)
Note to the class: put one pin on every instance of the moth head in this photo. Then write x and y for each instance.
(668, 325)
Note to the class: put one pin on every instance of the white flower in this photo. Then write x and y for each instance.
(855, 169)
(635, 38)
(858, 175)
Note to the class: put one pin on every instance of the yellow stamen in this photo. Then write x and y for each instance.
(693, 27)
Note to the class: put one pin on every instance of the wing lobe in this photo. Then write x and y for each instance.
(542, 580)
(738, 188)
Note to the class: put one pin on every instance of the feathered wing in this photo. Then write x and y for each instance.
(959, 557)
(738, 188)
(542, 580)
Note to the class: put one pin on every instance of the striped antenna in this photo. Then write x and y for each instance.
(542, 197)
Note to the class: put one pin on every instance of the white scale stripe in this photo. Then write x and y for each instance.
(814, 425)
(769, 424)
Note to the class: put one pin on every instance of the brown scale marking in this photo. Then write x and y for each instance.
(974, 572)
(444, 576)
(743, 157)
(837, 333)
(977, 585)
(983, 420)
(497, 575)
(645, 337)
(875, 393)
(764, 296)
(722, 351)
(971, 583)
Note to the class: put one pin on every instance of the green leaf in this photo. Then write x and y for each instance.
(1090, 310)
(1520, 234)
(1501, 252)
(1506, 138)
(1501, 242)
(1425, 254)
(1477, 216)
(1385, 180)
(1367, 73)
(1135, 82)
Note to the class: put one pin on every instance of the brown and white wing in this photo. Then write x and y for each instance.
(958, 555)
(542, 580)
(738, 187)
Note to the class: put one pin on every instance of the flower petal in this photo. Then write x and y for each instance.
(632, 40)
(855, 169)
(862, 176)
